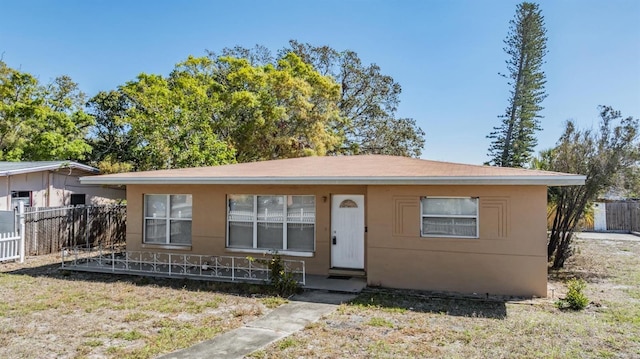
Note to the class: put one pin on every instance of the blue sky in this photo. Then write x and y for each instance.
(445, 54)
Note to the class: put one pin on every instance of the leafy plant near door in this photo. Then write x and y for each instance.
(282, 280)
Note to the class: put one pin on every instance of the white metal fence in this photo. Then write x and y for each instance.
(242, 269)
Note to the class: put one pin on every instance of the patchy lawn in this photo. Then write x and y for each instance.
(48, 313)
(45, 313)
(397, 324)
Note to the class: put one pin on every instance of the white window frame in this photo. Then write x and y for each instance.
(284, 222)
(28, 201)
(476, 217)
(168, 220)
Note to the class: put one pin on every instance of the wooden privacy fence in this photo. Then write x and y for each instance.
(623, 216)
(48, 230)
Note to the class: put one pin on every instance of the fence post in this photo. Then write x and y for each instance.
(21, 219)
(86, 226)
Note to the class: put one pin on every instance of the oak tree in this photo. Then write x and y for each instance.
(41, 122)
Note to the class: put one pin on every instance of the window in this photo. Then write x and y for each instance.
(167, 219)
(284, 223)
(449, 217)
(20, 196)
(78, 199)
(347, 203)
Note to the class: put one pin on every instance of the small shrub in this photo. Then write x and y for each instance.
(575, 299)
(282, 280)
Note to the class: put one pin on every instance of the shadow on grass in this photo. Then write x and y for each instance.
(235, 288)
(399, 301)
(571, 272)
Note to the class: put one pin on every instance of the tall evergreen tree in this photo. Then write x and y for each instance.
(526, 45)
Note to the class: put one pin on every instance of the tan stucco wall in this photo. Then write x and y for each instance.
(210, 211)
(509, 257)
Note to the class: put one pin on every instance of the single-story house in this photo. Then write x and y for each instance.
(401, 222)
(51, 184)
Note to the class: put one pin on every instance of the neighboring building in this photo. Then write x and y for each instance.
(51, 184)
(401, 222)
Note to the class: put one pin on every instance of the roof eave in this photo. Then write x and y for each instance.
(73, 165)
(568, 180)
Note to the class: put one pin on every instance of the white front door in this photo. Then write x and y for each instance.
(347, 231)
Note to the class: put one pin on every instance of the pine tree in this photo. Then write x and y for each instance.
(526, 45)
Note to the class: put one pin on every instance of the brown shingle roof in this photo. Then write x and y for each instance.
(365, 169)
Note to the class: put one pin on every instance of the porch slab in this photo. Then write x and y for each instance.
(323, 282)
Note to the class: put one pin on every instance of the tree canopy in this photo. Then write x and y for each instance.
(367, 102)
(241, 105)
(601, 156)
(41, 121)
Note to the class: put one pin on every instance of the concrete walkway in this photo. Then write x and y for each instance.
(283, 321)
(608, 236)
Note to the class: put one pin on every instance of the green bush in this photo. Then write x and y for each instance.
(282, 280)
(575, 299)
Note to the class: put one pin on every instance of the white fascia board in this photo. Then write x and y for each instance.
(569, 180)
(73, 165)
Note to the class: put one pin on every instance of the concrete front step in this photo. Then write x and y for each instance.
(346, 272)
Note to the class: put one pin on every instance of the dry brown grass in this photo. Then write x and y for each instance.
(45, 313)
(396, 324)
(48, 313)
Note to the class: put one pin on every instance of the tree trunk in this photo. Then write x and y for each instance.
(564, 250)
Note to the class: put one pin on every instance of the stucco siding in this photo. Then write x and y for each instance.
(457, 271)
(209, 223)
(509, 257)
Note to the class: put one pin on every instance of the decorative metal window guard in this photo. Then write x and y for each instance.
(224, 268)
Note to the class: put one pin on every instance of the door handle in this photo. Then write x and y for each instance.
(334, 240)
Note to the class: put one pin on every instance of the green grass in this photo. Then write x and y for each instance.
(287, 343)
(273, 302)
(623, 314)
(633, 293)
(136, 317)
(93, 343)
(409, 324)
(389, 303)
(101, 315)
(379, 322)
(378, 349)
(173, 337)
(129, 336)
